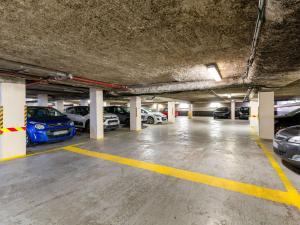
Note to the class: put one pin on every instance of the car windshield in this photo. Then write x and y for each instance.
(42, 112)
(223, 109)
(293, 113)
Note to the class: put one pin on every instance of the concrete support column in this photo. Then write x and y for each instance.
(96, 114)
(12, 115)
(60, 105)
(171, 112)
(266, 115)
(254, 115)
(232, 110)
(135, 113)
(42, 100)
(190, 113)
(84, 102)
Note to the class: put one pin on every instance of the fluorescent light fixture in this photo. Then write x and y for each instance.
(214, 72)
(229, 95)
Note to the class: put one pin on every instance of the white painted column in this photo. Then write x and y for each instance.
(96, 114)
(254, 115)
(266, 115)
(171, 112)
(190, 113)
(84, 102)
(42, 100)
(232, 110)
(60, 105)
(135, 113)
(12, 103)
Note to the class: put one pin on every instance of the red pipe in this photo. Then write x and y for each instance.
(101, 83)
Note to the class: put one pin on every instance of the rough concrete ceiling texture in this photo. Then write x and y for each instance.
(152, 41)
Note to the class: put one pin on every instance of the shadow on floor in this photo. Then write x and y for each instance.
(291, 167)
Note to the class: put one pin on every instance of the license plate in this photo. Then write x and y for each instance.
(60, 132)
(113, 124)
(275, 144)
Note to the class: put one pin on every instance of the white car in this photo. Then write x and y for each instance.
(81, 117)
(153, 117)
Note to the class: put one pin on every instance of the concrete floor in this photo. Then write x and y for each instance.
(64, 188)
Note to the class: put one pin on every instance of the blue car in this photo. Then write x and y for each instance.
(46, 124)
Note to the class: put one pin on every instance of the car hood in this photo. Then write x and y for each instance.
(50, 120)
(290, 131)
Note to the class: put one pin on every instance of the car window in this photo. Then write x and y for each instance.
(82, 111)
(42, 112)
(143, 111)
(70, 110)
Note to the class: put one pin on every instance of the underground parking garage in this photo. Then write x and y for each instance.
(149, 112)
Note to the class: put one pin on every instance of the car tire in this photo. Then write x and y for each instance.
(150, 120)
(28, 141)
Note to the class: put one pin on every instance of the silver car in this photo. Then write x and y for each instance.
(286, 144)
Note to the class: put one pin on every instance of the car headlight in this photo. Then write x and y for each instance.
(71, 123)
(295, 139)
(39, 126)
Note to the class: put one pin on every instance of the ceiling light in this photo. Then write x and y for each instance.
(214, 72)
(229, 95)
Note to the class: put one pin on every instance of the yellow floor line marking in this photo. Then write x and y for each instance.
(244, 188)
(39, 152)
(291, 190)
(287, 183)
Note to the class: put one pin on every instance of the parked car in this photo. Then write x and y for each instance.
(81, 117)
(244, 113)
(165, 112)
(153, 117)
(286, 144)
(123, 113)
(287, 120)
(46, 124)
(222, 112)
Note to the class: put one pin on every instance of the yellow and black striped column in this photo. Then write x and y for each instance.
(25, 116)
(1, 117)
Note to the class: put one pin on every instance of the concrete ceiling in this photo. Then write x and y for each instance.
(145, 42)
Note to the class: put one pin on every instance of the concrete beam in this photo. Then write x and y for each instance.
(135, 113)
(96, 114)
(12, 115)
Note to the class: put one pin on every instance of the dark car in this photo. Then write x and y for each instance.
(286, 144)
(46, 124)
(244, 113)
(121, 111)
(222, 112)
(287, 120)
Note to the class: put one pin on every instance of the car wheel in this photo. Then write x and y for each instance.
(28, 141)
(150, 120)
